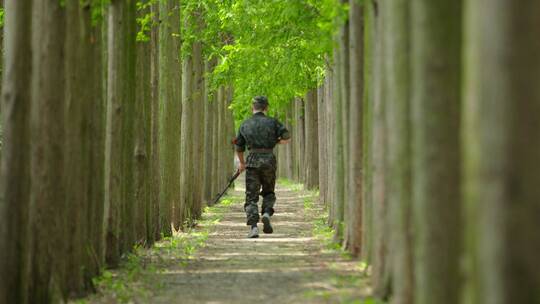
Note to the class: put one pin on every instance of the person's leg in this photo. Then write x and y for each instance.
(253, 186)
(268, 182)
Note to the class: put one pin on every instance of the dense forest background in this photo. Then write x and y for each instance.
(417, 121)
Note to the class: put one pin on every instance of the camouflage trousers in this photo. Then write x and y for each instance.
(263, 177)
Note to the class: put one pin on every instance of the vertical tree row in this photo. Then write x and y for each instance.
(91, 161)
(436, 166)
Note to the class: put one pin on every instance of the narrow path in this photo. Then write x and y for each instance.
(292, 265)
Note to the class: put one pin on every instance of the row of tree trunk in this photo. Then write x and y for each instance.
(104, 133)
(427, 153)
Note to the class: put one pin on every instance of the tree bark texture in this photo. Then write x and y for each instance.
(115, 142)
(379, 200)
(128, 61)
(321, 134)
(396, 72)
(15, 175)
(48, 204)
(436, 61)
(154, 221)
(170, 94)
(501, 152)
(187, 138)
(311, 141)
(354, 180)
(337, 138)
(198, 132)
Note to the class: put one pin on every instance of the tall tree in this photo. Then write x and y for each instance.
(379, 200)
(311, 141)
(128, 84)
(154, 225)
(354, 180)
(15, 164)
(82, 95)
(170, 94)
(187, 165)
(209, 121)
(119, 140)
(435, 106)
(337, 136)
(396, 72)
(198, 120)
(501, 152)
(143, 116)
(93, 40)
(47, 196)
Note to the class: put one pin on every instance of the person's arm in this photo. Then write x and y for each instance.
(241, 162)
(284, 141)
(240, 143)
(283, 134)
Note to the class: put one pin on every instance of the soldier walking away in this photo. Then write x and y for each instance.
(260, 134)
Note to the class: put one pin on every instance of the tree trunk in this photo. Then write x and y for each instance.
(354, 181)
(154, 224)
(299, 139)
(345, 88)
(370, 19)
(198, 128)
(436, 61)
(115, 144)
(187, 142)
(128, 91)
(15, 164)
(170, 93)
(96, 124)
(312, 141)
(80, 97)
(501, 152)
(143, 139)
(380, 230)
(330, 139)
(49, 216)
(289, 147)
(338, 143)
(397, 75)
(208, 133)
(322, 129)
(215, 143)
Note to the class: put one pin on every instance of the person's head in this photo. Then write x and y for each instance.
(260, 104)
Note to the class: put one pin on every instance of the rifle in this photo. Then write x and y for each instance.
(231, 180)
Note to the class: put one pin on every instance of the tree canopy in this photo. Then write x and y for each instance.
(274, 48)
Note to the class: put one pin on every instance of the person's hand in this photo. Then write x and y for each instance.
(241, 167)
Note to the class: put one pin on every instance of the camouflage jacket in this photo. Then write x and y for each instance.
(260, 132)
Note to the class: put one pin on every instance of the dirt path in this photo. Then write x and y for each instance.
(292, 265)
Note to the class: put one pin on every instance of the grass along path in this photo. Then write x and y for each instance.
(215, 263)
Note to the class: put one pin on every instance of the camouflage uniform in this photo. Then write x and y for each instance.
(260, 134)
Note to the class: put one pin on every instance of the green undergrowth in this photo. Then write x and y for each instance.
(321, 230)
(138, 276)
(344, 282)
(293, 186)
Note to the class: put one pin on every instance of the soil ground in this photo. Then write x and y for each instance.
(295, 264)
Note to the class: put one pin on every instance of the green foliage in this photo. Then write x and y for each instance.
(290, 184)
(145, 21)
(98, 8)
(321, 230)
(2, 17)
(276, 48)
